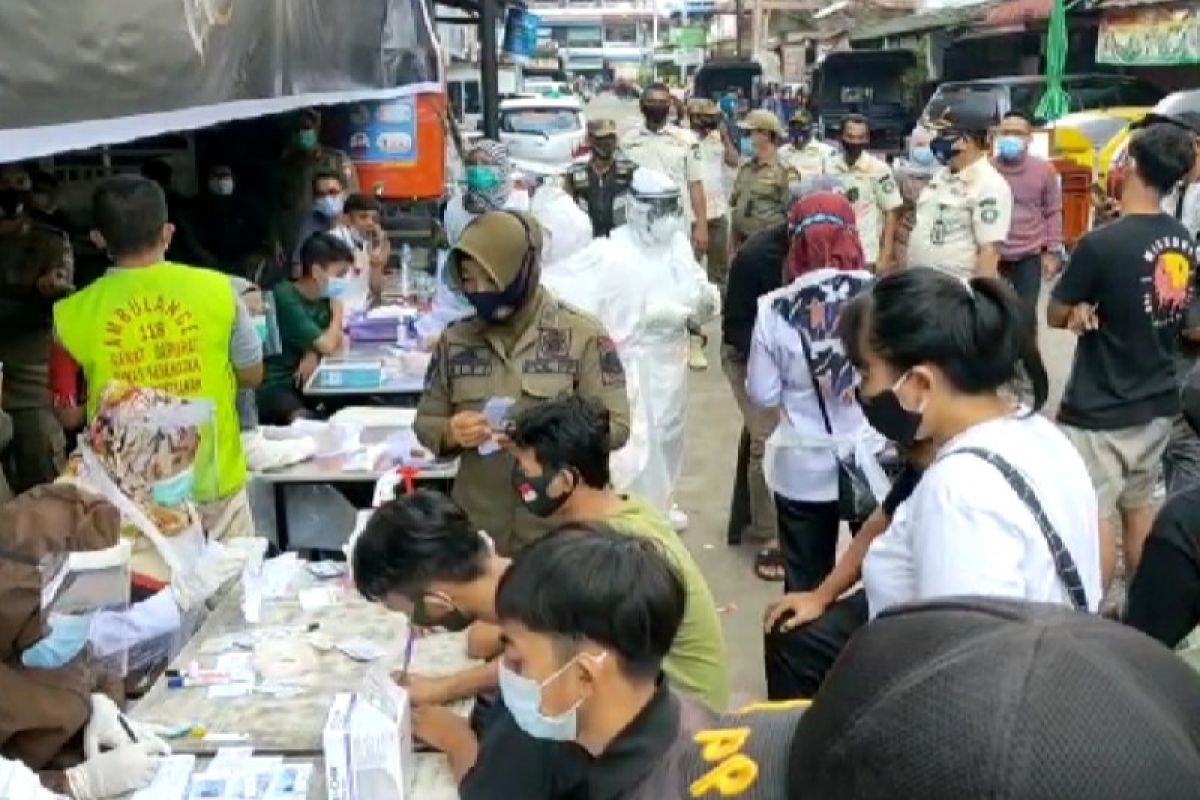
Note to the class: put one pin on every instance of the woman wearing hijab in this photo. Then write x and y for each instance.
(522, 346)
(47, 705)
(797, 365)
(489, 187)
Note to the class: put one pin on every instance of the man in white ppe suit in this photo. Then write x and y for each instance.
(644, 284)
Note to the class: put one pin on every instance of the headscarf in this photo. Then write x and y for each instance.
(43, 710)
(823, 234)
(477, 201)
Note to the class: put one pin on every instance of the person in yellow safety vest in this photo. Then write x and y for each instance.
(166, 326)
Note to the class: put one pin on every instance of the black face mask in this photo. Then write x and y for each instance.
(853, 151)
(800, 136)
(885, 414)
(604, 150)
(942, 148)
(534, 492)
(452, 621)
(655, 115)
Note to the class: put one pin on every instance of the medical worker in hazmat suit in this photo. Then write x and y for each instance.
(644, 283)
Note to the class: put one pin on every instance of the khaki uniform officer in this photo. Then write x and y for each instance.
(717, 157)
(805, 153)
(760, 191)
(521, 344)
(870, 186)
(963, 215)
(668, 149)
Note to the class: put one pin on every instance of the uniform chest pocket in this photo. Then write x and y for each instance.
(951, 217)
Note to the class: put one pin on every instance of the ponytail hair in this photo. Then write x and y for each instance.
(976, 333)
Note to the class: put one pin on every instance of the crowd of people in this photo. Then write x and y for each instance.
(879, 333)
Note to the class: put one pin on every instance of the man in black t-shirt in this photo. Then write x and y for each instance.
(756, 270)
(1126, 292)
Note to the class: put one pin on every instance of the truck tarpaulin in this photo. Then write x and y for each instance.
(80, 74)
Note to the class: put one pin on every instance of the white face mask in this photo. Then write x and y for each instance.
(221, 186)
(523, 698)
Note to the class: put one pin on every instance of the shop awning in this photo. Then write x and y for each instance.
(915, 23)
(76, 75)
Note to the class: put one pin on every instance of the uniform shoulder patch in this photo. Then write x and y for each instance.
(612, 371)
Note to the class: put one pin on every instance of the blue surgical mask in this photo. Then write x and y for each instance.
(1010, 148)
(261, 328)
(922, 156)
(523, 698)
(747, 147)
(329, 206)
(336, 288)
(66, 640)
(175, 490)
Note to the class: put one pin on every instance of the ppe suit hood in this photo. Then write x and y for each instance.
(566, 228)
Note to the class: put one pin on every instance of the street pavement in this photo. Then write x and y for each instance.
(713, 427)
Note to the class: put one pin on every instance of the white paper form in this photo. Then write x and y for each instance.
(171, 780)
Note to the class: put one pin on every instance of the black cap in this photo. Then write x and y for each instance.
(970, 114)
(973, 698)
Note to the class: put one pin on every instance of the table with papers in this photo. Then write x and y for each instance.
(370, 368)
(285, 716)
(381, 427)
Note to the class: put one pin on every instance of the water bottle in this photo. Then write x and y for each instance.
(405, 271)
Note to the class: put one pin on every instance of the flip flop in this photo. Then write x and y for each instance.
(769, 565)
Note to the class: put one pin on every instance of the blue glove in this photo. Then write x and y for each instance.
(68, 636)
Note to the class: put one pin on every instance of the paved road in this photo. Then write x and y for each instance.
(712, 433)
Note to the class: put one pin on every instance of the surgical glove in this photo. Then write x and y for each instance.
(221, 563)
(104, 729)
(67, 638)
(116, 772)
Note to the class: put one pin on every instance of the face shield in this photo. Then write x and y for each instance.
(656, 217)
(79, 590)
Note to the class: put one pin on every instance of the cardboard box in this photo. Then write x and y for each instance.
(368, 743)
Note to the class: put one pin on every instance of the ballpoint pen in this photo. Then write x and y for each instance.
(125, 724)
(408, 651)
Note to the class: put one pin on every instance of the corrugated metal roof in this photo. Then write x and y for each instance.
(914, 23)
(1018, 12)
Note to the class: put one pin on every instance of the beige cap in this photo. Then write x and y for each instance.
(761, 120)
(602, 127)
(702, 106)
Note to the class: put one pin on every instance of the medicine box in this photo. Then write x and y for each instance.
(368, 743)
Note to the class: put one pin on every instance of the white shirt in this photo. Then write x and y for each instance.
(1189, 213)
(800, 460)
(957, 214)
(965, 531)
(709, 152)
(870, 187)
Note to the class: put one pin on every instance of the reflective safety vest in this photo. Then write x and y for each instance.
(165, 327)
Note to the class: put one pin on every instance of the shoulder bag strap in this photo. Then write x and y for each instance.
(812, 373)
(1064, 564)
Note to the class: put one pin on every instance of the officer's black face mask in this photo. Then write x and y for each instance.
(655, 113)
(604, 147)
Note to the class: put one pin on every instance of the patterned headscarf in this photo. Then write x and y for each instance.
(496, 153)
(821, 227)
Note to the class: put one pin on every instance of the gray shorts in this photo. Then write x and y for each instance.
(1124, 464)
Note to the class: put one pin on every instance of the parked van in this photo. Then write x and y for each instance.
(466, 94)
(1023, 93)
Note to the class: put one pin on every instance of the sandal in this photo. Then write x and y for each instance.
(769, 564)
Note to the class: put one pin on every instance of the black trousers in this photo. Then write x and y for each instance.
(808, 534)
(1025, 276)
(797, 661)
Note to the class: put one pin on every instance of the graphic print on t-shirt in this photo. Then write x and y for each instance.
(1169, 289)
(813, 313)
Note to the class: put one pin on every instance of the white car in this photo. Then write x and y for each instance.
(544, 130)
